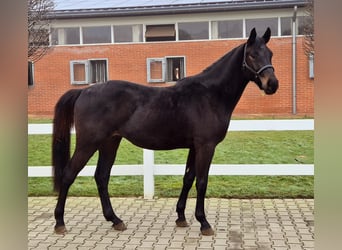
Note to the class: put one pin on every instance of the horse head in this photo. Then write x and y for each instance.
(257, 62)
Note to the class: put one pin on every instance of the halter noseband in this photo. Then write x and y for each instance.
(256, 73)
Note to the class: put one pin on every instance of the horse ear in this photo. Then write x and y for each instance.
(267, 35)
(252, 37)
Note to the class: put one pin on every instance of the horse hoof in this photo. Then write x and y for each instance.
(120, 227)
(182, 223)
(208, 232)
(60, 230)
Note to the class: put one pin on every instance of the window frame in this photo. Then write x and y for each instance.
(215, 33)
(164, 64)
(30, 74)
(259, 21)
(149, 61)
(84, 31)
(155, 28)
(311, 66)
(208, 29)
(167, 58)
(87, 68)
(139, 27)
(136, 33)
(56, 32)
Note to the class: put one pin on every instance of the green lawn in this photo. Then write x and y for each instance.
(238, 148)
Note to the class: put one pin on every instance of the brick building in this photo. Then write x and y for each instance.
(156, 42)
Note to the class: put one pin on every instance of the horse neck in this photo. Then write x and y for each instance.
(226, 76)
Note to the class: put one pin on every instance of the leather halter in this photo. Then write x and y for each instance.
(246, 66)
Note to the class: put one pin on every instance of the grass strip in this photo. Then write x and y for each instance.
(271, 147)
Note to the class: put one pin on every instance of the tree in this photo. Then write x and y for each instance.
(309, 40)
(38, 28)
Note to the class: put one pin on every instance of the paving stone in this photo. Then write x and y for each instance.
(293, 240)
(160, 247)
(239, 224)
(279, 243)
(279, 247)
(89, 243)
(307, 243)
(295, 246)
(176, 244)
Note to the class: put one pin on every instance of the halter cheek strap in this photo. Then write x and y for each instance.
(256, 73)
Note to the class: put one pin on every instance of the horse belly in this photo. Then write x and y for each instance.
(158, 137)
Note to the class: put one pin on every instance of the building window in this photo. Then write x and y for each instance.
(166, 69)
(311, 66)
(261, 24)
(193, 31)
(227, 29)
(127, 33)
(63, 36)
(99, 34)
(160, 33)
(88, 71)
(30, 74)
(301, 21)
(156, 70)
(286, 26)
(175, 67)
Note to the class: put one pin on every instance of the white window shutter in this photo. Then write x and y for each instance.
(156, 69)
(79, 72)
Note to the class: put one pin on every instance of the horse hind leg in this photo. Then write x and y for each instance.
(107, 154)
(74, 166)
(188, 180)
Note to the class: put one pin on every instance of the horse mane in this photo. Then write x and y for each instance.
(216, 69)
(223, 65)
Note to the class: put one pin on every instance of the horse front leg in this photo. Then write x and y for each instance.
(107, 154)
(204, 155)
(188, 180)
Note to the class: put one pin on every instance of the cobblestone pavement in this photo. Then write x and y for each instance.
(238, 224)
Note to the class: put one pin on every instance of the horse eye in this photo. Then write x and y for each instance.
(252, 57)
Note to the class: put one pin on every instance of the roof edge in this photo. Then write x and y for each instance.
(174, 9)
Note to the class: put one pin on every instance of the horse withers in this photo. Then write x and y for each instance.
(194, 113)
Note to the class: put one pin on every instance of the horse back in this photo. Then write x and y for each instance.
(149, 117)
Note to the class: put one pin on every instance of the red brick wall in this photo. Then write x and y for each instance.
(128, 62)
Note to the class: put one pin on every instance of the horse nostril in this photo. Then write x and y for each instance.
(276, 85)
(272, 86)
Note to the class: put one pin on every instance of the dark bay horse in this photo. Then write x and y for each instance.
(194, 113)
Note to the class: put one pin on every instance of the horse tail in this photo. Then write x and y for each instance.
(62, 123)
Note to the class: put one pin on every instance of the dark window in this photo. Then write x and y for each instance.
(261, 24)
(100, 34)
(62, 36)
(301, 22)
(98, 71)
(193, 31)
(166, 69)
(127, 33)
(286, 26)
(175, 69)
(88, 71)
(30, 74)
(227, 29)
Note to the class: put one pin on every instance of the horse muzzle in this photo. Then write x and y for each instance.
(269, 83)
(271, 87)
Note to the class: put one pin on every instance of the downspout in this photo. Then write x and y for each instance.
(294, 61)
